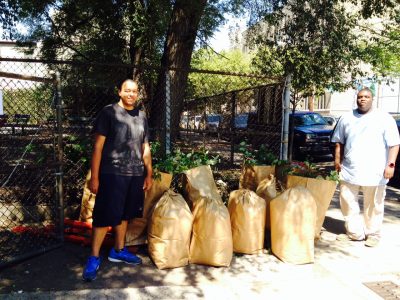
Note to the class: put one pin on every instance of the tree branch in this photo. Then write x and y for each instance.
(212, 49)
(64, 44)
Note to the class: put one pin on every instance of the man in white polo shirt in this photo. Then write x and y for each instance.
(367, 143)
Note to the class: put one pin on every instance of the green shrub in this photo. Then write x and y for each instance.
(262, 156)
(310, 170)
(177, 161)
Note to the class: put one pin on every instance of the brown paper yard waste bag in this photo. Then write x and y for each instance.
(136, 233)
(87, 203)
(293, 216)
(169, 232)
(211, 242)
(322, 191)
(212, 235)
(200, 184)
(267, 190)
(247, 213)
(251, 176)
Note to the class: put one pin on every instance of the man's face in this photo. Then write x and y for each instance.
(129, 94)
(364, 101)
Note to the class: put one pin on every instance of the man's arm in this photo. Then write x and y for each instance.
(95, 165)
(392, 155)
(148, 181)
(339, 150)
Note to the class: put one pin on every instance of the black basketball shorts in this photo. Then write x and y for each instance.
(118, 198)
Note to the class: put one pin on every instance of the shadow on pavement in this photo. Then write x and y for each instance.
(334, 225)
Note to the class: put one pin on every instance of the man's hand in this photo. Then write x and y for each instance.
(389, 172)
(338, 156)
(94, 185)
(148, 182)
(338, 167)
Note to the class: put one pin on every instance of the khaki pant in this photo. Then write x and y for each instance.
(357, 227)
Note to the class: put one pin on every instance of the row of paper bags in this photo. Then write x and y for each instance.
(256, 179)
(294, 217)
(209, 232)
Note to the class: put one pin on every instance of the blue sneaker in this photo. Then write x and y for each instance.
(90, 271)
(124, 256)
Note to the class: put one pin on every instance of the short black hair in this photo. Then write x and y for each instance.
(121, 83)
(366, 89)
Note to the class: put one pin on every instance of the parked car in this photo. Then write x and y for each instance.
(240, 126)
(251, 128)
(397, 119)
(184, 122)
(312, 135)
(241, 121)
(312, 132)
(197, 121)
(331, 120)
(210, 122)
(190, 122)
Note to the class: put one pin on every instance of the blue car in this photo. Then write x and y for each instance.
(312, 135)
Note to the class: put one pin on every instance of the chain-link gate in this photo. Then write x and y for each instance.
(221, 111)
(31, 210)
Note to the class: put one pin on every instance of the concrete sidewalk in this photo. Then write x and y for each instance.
(342, 269)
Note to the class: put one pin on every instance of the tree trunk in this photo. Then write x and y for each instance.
(311, 102)
(176, 59)
(135, 56)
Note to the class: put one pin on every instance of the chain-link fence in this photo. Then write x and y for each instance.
(30, 168)
(220, 111)
(220, 123)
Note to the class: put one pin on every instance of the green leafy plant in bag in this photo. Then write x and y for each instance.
(310, 170)
(178, 161)
(252, 157)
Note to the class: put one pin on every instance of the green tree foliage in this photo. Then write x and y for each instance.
(382, 48)
(312, 41)
(233, 61)
(8, 18)
(322, 43)
(160, 33)
(118, 31)
(34, 101)
(101, 31)
(374, 7)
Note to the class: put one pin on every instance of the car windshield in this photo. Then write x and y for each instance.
(241, 119)
(309, 119)
(212, 118)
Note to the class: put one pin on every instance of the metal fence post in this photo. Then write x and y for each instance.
(59, 156)
(285, 119)
(232, 126)
(167, 113)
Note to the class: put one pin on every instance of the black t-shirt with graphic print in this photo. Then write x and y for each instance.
(125, 133)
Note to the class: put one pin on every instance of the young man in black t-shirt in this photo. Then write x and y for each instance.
(121, 171)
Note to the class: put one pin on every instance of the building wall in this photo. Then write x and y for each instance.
(9, 49)
(386, 98)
